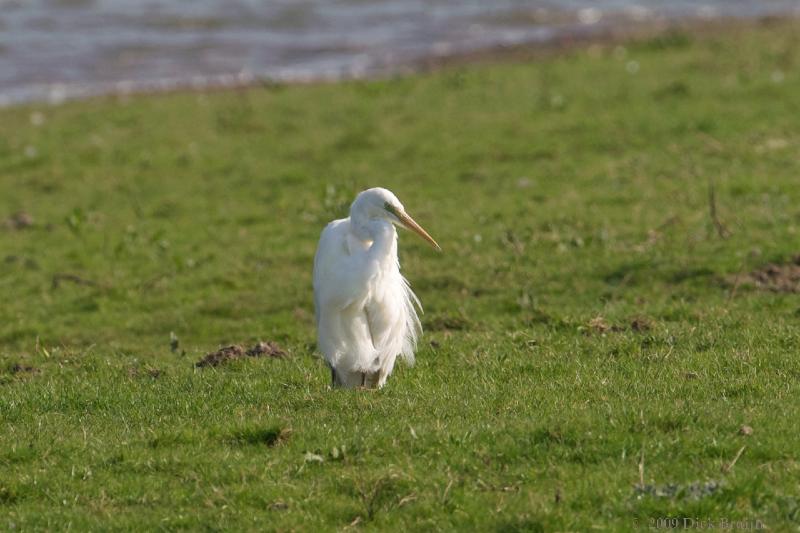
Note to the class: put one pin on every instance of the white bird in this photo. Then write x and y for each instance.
(365, 308)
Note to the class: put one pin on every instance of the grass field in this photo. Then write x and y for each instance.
(594, 341)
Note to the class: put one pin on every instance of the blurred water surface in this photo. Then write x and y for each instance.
(55, 49)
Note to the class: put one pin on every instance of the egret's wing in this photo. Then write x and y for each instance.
(371, 329)
(340, 274)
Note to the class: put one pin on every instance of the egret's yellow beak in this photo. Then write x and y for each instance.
(409, 223)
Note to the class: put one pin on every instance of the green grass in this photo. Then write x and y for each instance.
(562, 189)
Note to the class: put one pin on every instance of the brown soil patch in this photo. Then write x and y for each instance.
(19, 220)
(236, 351)
(641, 324)
(18, 368)
(775, 277)
(600, 326)
(136, 372)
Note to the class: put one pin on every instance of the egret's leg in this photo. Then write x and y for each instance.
(349, 380)
(369, 380)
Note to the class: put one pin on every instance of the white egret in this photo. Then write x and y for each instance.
(365, 309)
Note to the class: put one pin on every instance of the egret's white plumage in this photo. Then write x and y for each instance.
(366, 312)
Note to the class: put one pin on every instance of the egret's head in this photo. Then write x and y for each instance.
(378, 203)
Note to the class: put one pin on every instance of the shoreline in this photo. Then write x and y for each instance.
(612, 35)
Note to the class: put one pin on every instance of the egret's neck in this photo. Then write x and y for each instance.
(384, 241)
(382, 234)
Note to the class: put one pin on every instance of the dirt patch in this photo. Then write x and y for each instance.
(236, 351)
(135, 372)
(266, 349)
(16, 371)
(19, 368)
(600, 326)
(775, 277)
(19, 220)
(7, 496)
(641, 324)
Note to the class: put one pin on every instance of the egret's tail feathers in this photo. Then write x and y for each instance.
(413, 325)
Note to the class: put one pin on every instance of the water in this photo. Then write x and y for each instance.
(56, 49)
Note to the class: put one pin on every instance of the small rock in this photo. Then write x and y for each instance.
(745, 430)
(313, 458)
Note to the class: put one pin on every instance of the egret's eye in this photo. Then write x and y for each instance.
(390, 208)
